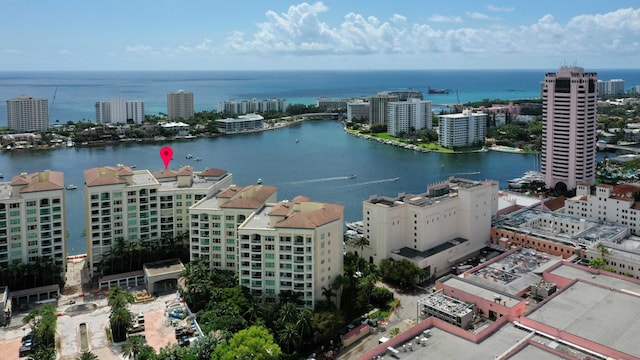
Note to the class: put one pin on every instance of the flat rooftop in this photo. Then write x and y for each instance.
(531, 352)
(540, 223)
(163, 267)
(210, 203)
(481, 291)
(513, 273)
(260, 220)
(410, 253)
(144, 177)
(445, 346)
(598, 314)
(572, 272)
(5, 190)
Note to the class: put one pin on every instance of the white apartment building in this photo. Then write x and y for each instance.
(214, 221)
(331, 104)
(180, 105)
(27, 114)
(608, 203)
(378, 107)
(357, 109)
(292, 245)
(435, 229)
(242, 123)
(132, 206)
(569, 116)
(32, 218)
(610, 87)
(241, 107)
(119, 111)
(463, 129)
(408, 116)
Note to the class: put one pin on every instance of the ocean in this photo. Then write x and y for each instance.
(72, 95)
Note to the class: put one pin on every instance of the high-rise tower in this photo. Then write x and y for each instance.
(569, 113)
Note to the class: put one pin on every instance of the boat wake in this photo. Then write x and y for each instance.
(335, 178)
(370, 182)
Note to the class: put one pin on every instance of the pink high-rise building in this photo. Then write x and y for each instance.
(569, 114)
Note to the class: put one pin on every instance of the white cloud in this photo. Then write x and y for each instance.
(12, 51)
(138, 49)
(65, 52)
(499, 9)
(302, 31)
(445, 19)
(478, 16)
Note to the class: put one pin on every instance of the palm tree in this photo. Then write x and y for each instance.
(328, 293)
(133, 346)
(118, 297)
(289, 337)
(287, 314)
(120, 321)
(305, 322)
(338, 284)
(87, 355)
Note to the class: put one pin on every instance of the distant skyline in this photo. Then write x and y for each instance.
(322, 35)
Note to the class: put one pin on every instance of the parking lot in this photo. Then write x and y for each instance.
(74, 309)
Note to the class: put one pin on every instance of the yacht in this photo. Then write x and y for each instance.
(71, 187)
(189, 156)
(351, 176)
(197, 159)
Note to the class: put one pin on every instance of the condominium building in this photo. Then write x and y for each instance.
(331, 104)
(27, 114)
(180, 105)
(240, 124)
(120, 111)
(449, 222)
(215, 220)
(408, 116)
(291, 246)
(132, 206)
(463, 129)
(569, 116)
(378, 107)
(32, 218)
(406, 95)
(241, 107)
(357, 109)
(610, 87)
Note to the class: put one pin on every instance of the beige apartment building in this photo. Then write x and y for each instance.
(32, 218)
(291, 246)
(126, 205)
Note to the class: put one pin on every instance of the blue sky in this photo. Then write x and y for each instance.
(329, 34)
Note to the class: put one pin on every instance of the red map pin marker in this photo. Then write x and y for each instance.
(166, 153)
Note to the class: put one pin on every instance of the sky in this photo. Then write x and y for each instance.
(317, 35)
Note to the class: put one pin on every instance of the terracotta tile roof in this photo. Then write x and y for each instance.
(509, 209)
(229, 192)
(606, 186)
(300, 198)
(555, 204)
(250, 197)
(312, 215)
(212, 172)
(106, 175)
(281, 209)
(166, 173)
(39, 181)
(626, 190)
(185, 170)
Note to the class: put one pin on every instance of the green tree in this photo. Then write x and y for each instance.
(43, 327)
(87, 355)
(133, 346)
(120, 321)
(289, 337)
(403, 274)
(255, 342)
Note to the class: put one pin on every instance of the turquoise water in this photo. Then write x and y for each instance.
(77, 92)
(318, 166)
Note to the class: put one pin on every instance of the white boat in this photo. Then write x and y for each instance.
(351, 176)
(189, 156)
(356, 226)
(71, 187)
(197, 159)
(70, 143)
